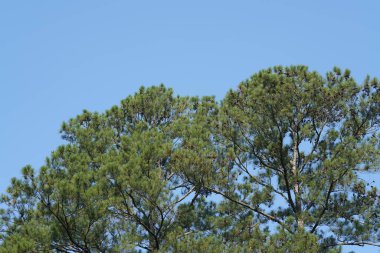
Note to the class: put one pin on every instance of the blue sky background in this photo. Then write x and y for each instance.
(60, 57)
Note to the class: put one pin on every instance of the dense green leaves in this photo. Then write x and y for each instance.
(275, 167)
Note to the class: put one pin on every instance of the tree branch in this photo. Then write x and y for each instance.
(268, 216)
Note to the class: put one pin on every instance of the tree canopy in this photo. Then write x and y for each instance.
(276, 166)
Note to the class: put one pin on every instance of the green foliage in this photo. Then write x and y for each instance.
(296, 137)
(275, 167)
(31, 237)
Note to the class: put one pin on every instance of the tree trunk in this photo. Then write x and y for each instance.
(296, 187)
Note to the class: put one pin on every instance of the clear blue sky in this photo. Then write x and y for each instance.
(59, 57)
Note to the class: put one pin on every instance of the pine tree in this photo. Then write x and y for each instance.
(275, 167)
(297, 143)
